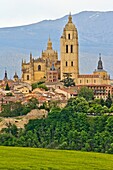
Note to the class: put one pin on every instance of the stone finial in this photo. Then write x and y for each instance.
(70, 18)
(22, 61)
(49, 44)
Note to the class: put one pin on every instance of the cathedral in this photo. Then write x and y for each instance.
(37, 69)
(49, 67)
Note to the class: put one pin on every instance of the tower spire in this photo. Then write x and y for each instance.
(53, 67)
(100, 56)
(5, 76)
(49, 44)
(30, 57)
(15, 76)
(100, 65)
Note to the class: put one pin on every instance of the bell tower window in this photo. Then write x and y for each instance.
(66, 64)
(71, 48)
(27, 77)
(72, 63)
(66, 48)
(39, 67)
(68, 36)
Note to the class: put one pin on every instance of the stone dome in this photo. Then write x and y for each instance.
(70, 26)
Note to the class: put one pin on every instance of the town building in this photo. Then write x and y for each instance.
(42, 67)
(52, 75)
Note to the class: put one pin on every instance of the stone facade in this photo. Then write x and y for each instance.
(37, 69)
(69, 50)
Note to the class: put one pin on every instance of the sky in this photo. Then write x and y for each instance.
(23, 12)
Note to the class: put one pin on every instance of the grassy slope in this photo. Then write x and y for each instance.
(13, 158)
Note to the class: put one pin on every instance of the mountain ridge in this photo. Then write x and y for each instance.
(94, 33)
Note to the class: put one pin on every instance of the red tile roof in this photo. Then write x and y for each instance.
(88, 76)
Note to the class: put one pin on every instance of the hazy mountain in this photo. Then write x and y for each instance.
(95, 31)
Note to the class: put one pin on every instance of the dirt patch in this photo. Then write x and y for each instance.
(20, 121)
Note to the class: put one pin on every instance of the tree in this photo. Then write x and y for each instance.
(53, 104)
(78, 104)
(102, 102)
(109, 126)
(11, 129)
(108, 101)
(111, 109)
(43, 86)
(105, 109)
(82, 107)
(98, 109)
(33, 103)
(86, 93)
(35, 85)
(110, 150)
(7, 88)
(68, 81)
(91, 110)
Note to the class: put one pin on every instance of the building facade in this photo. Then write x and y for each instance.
(52, 75)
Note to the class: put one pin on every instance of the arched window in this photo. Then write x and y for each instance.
(71, 48)
(94, 81)
(27, 77)
(39, 67)
(66, 48)
(72, 63)
(66, 64)
(69, 36)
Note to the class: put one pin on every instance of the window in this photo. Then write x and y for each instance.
(71, 48)
(27, 77)
(66, 48)
(71, 63)
(39, 67)
(94, 81)
(80, 81)
(69, 36)
(87, 81)
(66, 64)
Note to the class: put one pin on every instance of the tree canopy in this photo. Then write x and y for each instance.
(7, 88)
(88, 94)
(68, 81)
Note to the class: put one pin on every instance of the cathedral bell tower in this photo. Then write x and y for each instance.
(69, 50)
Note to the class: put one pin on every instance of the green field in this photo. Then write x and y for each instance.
(14, 158)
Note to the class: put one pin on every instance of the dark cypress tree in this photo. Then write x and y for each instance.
(7, 87)
(108, 101)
